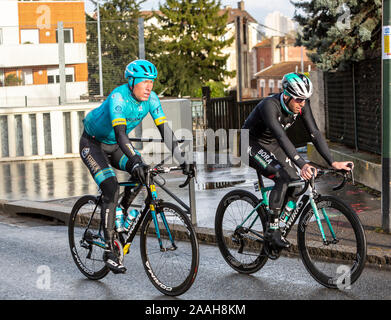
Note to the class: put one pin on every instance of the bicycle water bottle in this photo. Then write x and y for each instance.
(290, 206)
(119, 219)
(132, 215)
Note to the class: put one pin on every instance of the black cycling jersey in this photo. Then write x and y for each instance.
(269, 120)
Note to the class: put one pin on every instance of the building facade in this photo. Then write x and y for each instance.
(276, 56)
(29, 51)
(278, 24)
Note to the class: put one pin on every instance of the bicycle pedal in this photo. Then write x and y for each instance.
(172, 248)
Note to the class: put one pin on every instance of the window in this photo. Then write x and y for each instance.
(279, 84)
(54, 75)
(27, 76)
(29, 36)
(271, 84)
(244, 31)
(262, 83)
(68, 36)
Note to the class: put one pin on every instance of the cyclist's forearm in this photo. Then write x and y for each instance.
(171, 141)
(321, 145)
(291, 152)
(125, 145)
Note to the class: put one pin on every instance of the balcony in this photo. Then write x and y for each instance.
(22, 55)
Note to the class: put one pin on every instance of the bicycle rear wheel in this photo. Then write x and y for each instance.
(86, 238)
(173, 267)
(240, 242)
(338, 262)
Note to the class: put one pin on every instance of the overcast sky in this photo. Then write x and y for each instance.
(258, 9)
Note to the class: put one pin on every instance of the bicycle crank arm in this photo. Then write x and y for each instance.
(172, 248)
(334, 241)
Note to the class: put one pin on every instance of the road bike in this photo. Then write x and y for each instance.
(168, 241)
(330, 237)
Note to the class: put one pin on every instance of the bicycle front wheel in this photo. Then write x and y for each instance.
(337, 257)
(169, 250)
(86, 239)
(238, 235)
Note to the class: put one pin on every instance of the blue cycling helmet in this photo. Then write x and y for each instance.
(140, 70)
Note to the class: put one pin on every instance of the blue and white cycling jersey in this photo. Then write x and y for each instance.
(121, 108)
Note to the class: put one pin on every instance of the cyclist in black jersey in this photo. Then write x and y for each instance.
(271, 152)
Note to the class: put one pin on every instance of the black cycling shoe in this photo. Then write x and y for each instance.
(276, 239)
(112, 262)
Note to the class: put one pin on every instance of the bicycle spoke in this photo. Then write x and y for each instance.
(171, 271)
(239, 232)
(85, 229)
(343, 252)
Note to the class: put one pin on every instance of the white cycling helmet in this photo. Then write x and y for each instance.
(297, 85)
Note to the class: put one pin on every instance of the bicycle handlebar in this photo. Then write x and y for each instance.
(321, 172)
(158, 169)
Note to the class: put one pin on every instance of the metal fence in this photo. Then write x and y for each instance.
(227, 113)
(353, 106)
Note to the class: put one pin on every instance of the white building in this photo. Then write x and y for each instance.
(278, 24)
(29, 53)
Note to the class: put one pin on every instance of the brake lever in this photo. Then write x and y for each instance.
(339, 187)
(186, 182)
(192, 174)
(345, 177)
(351, 172)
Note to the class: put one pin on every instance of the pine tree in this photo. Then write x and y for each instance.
(338, 32)
(119, 43)
(186, 45)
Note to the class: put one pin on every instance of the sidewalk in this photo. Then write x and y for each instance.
(213, 184)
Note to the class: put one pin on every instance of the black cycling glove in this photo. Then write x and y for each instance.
(139, 172)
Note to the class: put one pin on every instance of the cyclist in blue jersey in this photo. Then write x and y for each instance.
(105, 144)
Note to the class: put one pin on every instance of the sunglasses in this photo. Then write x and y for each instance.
(299, 100)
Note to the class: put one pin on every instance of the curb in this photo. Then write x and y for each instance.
(376, 257)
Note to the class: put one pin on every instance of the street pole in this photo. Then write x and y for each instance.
(141, 55)
(386, 115)
(141, 46)
(239, 57)
(61, 62)
(99, 54)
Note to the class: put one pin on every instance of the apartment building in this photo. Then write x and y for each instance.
(29, 52)
(276, 56)
(249, 37)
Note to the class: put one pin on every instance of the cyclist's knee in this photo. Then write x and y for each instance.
(110, 190)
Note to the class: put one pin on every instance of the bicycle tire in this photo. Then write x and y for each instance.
(254, 258)
(172, 272)
(93, 268)
(339, 264)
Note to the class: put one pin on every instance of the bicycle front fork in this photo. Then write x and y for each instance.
(152, 208)
(319, 222)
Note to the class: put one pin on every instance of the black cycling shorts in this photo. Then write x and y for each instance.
(100, 158)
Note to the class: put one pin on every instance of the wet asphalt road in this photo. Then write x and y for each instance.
(36, 264)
